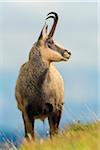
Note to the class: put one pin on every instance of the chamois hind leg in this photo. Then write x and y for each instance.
(28, 126)
(54, 120)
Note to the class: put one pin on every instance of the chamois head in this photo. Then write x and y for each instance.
(50, 50)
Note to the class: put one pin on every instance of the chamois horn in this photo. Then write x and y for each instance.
(55, 17)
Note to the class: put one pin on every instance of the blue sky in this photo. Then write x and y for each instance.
(77, 29)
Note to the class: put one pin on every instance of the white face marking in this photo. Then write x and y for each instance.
(61, 46)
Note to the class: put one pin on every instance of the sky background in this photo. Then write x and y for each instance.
(77, 30)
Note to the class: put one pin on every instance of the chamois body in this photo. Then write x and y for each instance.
(40, 89)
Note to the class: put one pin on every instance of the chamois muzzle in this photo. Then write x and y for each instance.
(55, 17)
(66, 54)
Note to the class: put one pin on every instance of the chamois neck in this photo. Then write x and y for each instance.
(39, 67)
(35, 58)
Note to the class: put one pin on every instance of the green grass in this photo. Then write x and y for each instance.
(76, 136)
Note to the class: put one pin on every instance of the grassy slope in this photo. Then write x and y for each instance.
(74, 137)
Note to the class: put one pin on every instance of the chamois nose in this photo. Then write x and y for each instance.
(69, 53)
(66, 51)
(66, 54)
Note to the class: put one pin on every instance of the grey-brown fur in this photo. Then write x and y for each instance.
(39, 88)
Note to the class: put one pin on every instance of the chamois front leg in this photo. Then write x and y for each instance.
(28, 126)
(54, 120)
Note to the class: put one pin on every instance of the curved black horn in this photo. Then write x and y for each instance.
(55, 17)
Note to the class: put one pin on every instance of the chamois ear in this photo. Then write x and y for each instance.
(43, 34)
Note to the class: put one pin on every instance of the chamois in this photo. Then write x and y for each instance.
(39, 88)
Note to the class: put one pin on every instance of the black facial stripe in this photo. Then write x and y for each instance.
(56, 48)
(61, 51)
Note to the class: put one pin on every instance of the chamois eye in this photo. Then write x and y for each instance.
(50, 42)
